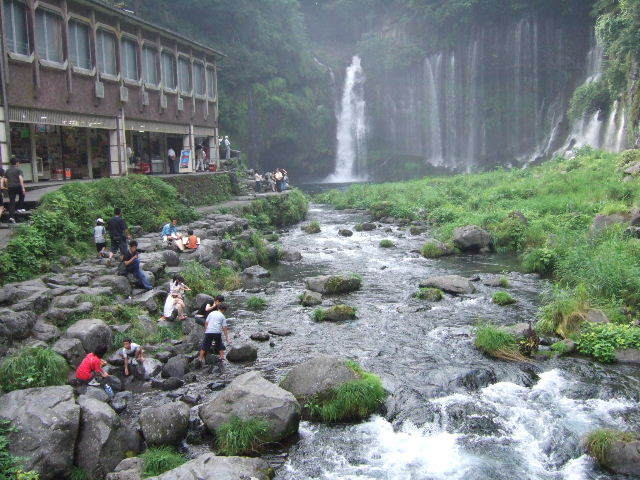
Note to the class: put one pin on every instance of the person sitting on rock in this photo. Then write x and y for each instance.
(131, 353)
(207, 308)
(170, 234)
(90, 367)
(191, 242)
(132, 265)
(214, 326)
(175, 298)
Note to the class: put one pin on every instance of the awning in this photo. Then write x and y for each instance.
(51, 117)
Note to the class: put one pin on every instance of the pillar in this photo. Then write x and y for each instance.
(4, 140)
(212, 154)
(32, 151)
(118, 148)
(89, 133)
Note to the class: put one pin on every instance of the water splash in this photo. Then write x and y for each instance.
(351, 151)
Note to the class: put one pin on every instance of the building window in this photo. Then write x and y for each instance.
(184, 75)
(168, 71)
(49, 35)
(198, 79)
(15, 27)
(106, 46)
(212, 83)
(149, 71)
(130, 59)
(79, 48)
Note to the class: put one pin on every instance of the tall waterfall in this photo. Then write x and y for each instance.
(351, 151)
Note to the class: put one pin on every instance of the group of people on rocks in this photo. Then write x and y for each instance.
(12, 182)
(277, 181)
(171, 236)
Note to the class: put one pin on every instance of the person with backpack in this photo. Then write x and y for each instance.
(118, 232)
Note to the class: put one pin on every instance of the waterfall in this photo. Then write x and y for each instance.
(351, 151)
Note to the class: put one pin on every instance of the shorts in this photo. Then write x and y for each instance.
(210, 338)
(100, 246)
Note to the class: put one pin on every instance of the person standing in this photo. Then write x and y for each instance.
(118, 232)
(227, 148)
(171, 154)
(258, 182)
(2, 188)
(214, 326)
(99, 234)
(132, 265)
(199, 158)
(278, 177)
(15, 188)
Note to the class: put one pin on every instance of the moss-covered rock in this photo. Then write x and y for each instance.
(435, 249)
(310, 299)
(334, 284)
(429, 294)
(615, 450)
(311, 228)
(337, 313)
(503, 299)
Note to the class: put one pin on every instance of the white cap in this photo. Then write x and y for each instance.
(99, 220)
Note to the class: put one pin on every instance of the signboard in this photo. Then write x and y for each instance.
(185, 160)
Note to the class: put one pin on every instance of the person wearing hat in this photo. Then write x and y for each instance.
(99, 239)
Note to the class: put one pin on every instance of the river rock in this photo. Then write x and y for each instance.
(208, 253)
(629, 356)
(150, 367)
(345, 232)
(92, 332)
(292, 256)
(256, 271)
(339, 313)
(175, 367)
(433, 248)
(453, 284)
(100, 440)
(317, 377)
(171, 258)
(128, 469)
(622, 457)
(365, 227)
(45, 331)
(597, 316)
(310, 299)
(16, 325)
(472, 238)
(47, 420)
(333, 284)
(242, 353)
(280, 332)
(210, 466)
(166, 424)
(251, 396)
(167, 384)
(202, 299)
(260, 336)
(71, 349)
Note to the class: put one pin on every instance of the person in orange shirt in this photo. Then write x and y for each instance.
(192, 241)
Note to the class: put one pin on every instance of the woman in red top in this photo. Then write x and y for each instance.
(91, 366)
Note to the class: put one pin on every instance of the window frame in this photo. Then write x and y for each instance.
(25, 57)
(151, 46)
(123, 61)
(187, 59)
(100, 27)
(171, 53)
(202, 64)
(87, 23)
(210, 67)
(54, 11)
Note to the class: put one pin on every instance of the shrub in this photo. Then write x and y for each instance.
(503, 299)
(199, 279)
(158, 460)
(386, 243)
(353, 400)
(599, 442)
(198, 190)
(225, 278)
(256, 303)
(77, 473)
(430, 294)
(280, 210)
(560, 347)
(10, 465)
(539, 260)
(601, 340)
(241, 437)
(497, 343)
(32, 367)
(142, 334)
(562, 312)
(589, 98)
(432, 249)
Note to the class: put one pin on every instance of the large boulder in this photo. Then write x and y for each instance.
(251, 396)
(171, 258)
(208, 253)
(166, 424)
(128, 469)
(92, 332)
(622, 457)
(317, 376)
(242, 353)
(150, 367)
(47, 421)
(333, 284)
(175, 367)
(629, 356)
(71, 349)
(472, 238)
(256, 271)
(117, 284)
(210, 466)
(453, 284)
(16, 325)
(101, 444)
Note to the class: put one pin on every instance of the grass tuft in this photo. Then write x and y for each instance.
(241, 437)
(498, 343)
(430, 294)
(599, 442)
(503, 299)
(32, 367)
(256, 303)
(312, 227)
(386, 243)
(158, 460)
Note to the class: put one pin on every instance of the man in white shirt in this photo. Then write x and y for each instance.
(214, 326)
(131, 354)
(172, 160)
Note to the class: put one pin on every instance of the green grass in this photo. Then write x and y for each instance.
(503, 299)
(256, 303)
(199, 279)
(504, 282)
(430, 294)
(158, 460)
(10, 465)
(318, 314)
(432, 249)
(352, 401)
(32, 367)
(139, 334)
(562, 312)
(312, 227)
(601, 340)
(497, 343)
(599, 442)
(386, 243)
(560, 348)
(239, 437)
(77, 473)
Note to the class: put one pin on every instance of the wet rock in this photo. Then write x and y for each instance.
(215, 386)
(175, 367)
(100, 439)
(310, 299)
(280, 332)
(292, 256)
(317, 377)
(629, 356)
(476, 379)
(210, 466)
(92, 332)
(339, 313)
(191, 398)
(251, 396)
(242, 353)
(16, 325)
(472, 238)
(47, 421)
(453, 284)
(260, 336)
(71, 349)
(333, 284)
(311, 228)
(365, 227)
(417, 229)
(345, 232)
(166, 424)
(622, 457)
(167, 384)
(256, 271)
(128, 469)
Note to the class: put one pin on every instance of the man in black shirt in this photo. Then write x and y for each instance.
(15, 187)
(132, 264)
(118, 232)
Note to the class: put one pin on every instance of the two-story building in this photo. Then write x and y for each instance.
(89, 91)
